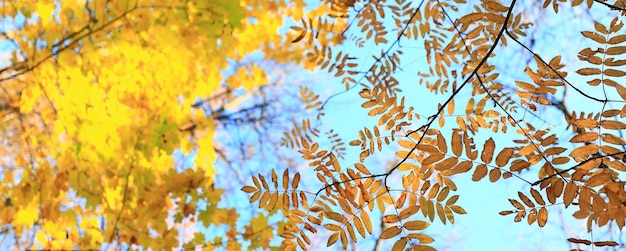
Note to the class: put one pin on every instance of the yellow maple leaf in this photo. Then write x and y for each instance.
(26, 216)
(45, 12)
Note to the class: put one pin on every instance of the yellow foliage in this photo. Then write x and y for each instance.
(102, 90)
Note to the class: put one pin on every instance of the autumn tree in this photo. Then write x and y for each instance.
(116, 116)
(494, 122)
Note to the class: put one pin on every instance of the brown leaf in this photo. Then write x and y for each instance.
(579, 241)
(584, 137)
(585, 123)
(601, 28)
(617, 39)
(479, 172)
(503, 157)
(488, 149)
(457, 145)
(525, 199)
(614, 73)
(517, 205)
(495, 174)
(616, 50)
(605, 243)
(542, 216)
(621, 90)
(537, 196)
(584, 151)
(588, 71)
(612, 139)
(612, 125)
(594, 36)
(571, 191)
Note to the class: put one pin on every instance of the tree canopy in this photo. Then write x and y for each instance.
(118, 117)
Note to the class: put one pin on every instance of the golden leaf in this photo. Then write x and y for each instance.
(407, 212)
(344, 239)
(332, 239)
(359, 226)
(421, 247)
(295, 181)
(249, 189)
(441, 213)
(391, 218)
(286, 179)
(332, 227)
(571, 191)
(416, 225)
(362, 168)
(390, 232)
(366, 221)
(400, 244)
(458, 209)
